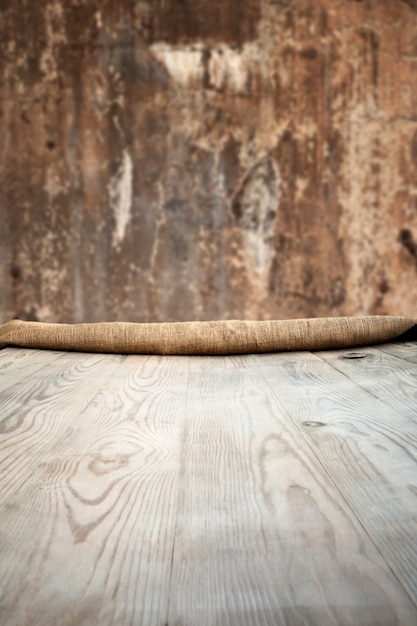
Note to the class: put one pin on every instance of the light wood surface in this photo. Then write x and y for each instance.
(252, 490)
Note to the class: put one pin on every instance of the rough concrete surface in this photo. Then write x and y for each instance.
(187, 159)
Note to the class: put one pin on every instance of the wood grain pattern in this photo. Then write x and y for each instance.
(406, 350)
(89, 489)
(387, 376)
(367, 448)
(254, 490)
(265, 536)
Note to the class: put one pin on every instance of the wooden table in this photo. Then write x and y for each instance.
(195, 491)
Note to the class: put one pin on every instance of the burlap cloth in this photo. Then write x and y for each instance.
(219, 337)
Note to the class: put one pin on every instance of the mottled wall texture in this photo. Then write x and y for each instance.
(207, 159)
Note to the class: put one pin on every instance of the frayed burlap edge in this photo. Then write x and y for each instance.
(206, 338)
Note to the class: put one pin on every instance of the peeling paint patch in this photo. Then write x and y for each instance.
(54, 186)
(55, 36)
(184, 64)
(120, 191)
(255, 211)
(218, 68)
(232, 68)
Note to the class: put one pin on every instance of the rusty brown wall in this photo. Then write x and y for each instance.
(196, 159)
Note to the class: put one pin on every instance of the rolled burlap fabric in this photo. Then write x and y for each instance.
(206, 338)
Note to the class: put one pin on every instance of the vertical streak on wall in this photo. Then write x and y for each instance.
(120, 191)
(8, 272)
(76, 232)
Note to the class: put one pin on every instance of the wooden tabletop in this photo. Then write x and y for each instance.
(196, 491)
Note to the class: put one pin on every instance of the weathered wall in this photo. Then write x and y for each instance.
(195, 159)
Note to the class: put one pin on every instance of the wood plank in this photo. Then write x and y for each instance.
(367, 449)
(17, 364)
(264, 535)
(88, 517)
(14, 358)
(406, 350)
(386, 376)
(27, 413)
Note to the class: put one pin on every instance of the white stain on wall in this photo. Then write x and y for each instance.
(227, 67)
(55, 37)
(256, 208)
(230, 68)
(183, 63)
(120, 192)
(54, 183)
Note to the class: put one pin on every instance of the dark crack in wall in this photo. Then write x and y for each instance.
(204, 160)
